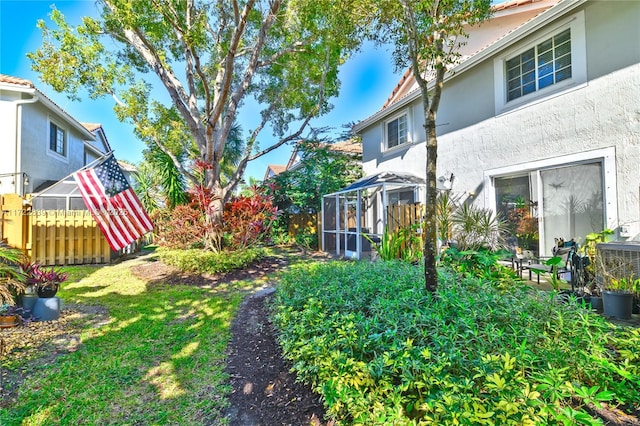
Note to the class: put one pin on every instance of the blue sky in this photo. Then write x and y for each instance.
(367, 80)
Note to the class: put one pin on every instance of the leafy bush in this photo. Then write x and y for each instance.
(481, 263)
(404, 244)
(247, 218)
(382, 351)
(180, 228)
(209, 262)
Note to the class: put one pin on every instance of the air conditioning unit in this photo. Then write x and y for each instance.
(625, 254)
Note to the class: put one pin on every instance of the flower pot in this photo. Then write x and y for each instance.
(28, 300)
(47, 291)
(7, 321)
(617, 304)
(47, 309)
(596, 303)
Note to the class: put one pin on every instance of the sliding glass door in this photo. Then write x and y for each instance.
(573, 205)
(540, 205)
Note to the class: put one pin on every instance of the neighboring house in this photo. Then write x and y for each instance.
(349, 147)
(42, 147)
(543, 111)
(273, 170)
(40, 142)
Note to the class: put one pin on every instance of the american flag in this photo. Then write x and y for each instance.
(112, 203)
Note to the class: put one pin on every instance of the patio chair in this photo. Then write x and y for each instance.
(567, 250)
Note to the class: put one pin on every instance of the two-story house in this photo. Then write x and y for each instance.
(40, 142)
(543, 109)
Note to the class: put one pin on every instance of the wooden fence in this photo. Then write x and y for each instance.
(403, 215)
(53, 237)
(301, 221)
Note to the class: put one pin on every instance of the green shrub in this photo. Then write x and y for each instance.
(382, 351)
(481, 263)
(204, 261)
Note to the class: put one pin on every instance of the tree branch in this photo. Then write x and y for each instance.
(173, 86)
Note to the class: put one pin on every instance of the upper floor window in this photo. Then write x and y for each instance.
(57, 139)
(544, 63)
(397, 132)
(540, 66)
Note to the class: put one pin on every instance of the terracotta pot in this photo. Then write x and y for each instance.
(7, 321)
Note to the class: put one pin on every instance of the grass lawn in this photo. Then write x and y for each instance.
(159, 359)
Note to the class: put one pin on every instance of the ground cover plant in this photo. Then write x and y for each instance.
(209, 262)
(158, 360)
(381, 350)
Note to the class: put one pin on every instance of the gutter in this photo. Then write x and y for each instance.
(18, 143)
(516, 35)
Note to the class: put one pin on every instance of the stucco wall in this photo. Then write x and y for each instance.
(38, 160)
(8, 144)
(604, 112)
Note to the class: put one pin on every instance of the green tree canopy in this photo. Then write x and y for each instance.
(322, 170)
(210, 57)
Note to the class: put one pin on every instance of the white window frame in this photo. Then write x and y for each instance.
(606, 155)
(65, 147)
(385, 131)
(576, 24)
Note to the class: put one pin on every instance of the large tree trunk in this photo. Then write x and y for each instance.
(430, 237)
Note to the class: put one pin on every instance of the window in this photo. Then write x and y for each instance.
(406, 196)
(57, 139)
(397, 133)
(545, 64)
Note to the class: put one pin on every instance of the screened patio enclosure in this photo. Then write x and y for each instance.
(356, 214)
(61, 195)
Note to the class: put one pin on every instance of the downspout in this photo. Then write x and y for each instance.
(18, 145)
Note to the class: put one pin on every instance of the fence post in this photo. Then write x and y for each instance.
(15, 229)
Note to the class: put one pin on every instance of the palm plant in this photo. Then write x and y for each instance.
(11, 280)
(475, 228)
(446, 205)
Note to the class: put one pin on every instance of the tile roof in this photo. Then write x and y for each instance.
(15, 80)
(350, 146)
(407, 78)
(91, 126)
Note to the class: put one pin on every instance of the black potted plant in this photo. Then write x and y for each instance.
(46, 281)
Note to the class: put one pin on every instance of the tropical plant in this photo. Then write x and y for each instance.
(589, 253)
(11, 278)
(247, 218)
(552, 265)
(403, 244)
(43, 278)
(476, 227)
(447, 204)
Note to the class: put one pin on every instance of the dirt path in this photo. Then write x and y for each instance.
(264, 391)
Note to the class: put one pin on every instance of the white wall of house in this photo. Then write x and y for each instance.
(39, 161)
(595, 116)
(8, 111)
